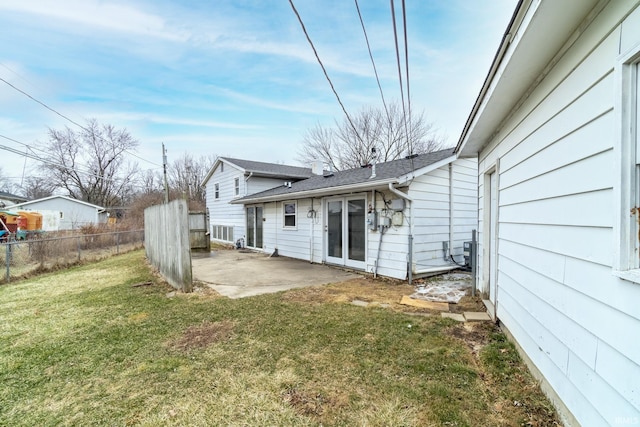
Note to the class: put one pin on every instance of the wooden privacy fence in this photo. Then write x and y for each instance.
(166, 242)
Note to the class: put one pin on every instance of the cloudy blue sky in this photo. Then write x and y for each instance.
(231, 77)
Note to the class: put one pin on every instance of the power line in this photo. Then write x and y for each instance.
(68, 168)
(304, 29)
(375, 70)
(67, 118)
(395, 36)
(46, 161)
(406, 58)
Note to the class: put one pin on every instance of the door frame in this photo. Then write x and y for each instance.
(256, 224)
(491, 220)
(344, 260)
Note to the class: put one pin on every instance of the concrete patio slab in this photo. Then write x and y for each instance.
(237, 274)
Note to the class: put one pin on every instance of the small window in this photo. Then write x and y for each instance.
(216, 190)
(221, 167)
(236, 186)
(290, 210)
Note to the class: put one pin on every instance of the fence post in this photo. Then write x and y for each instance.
(117, 243)
(7, 258)
(78, 240)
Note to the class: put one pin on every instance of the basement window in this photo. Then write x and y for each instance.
(290, 214)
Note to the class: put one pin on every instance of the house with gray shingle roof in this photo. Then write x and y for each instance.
(406, 216)
(231, 179)
(7, 199)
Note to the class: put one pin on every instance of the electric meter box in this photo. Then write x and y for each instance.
(397, 219)
(372, 220)
(397, 205)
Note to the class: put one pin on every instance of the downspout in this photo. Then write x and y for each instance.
(311, 225)
(410, 243)
(450, 212)
(246, 192)
(381, 230)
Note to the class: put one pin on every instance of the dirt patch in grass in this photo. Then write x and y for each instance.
(312, 404)
(474, 334)
(468, 303)
(363, 289)
(377, 292)
(201, 336)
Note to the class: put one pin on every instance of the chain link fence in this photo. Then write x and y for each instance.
(22, 258)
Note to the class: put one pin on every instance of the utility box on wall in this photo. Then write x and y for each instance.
(372, 220)
(397, 205)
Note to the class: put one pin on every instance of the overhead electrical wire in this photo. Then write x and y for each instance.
(404, 111)
(58, 165)
(406, 62)
(69, 119)
(304, 29)
(43, 160)
(373, 63)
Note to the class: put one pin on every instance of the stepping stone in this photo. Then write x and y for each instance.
(440, 306)
(359, 303)
(477, 316)
(455, 316)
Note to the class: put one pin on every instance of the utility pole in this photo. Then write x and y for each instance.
(164, 166)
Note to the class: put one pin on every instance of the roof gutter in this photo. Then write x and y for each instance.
(318, 192)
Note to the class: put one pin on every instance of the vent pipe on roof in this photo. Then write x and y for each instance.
(374, 160)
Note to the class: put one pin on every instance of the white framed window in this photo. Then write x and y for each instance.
(290, 215)
(221, 167)
(216, 191)
(236, 186)
(627, 186)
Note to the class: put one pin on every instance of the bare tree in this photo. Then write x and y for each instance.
(37, 187)
(5, 183)
(92, 165)
(347, 146)
(186, 175)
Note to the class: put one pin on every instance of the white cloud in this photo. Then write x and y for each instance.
(109, 16)
(308, 107)
(166, 120)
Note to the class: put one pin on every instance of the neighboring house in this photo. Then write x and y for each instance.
(396, 218)
(231, 179)
(71, 213)
(8, 199)
(555, 129)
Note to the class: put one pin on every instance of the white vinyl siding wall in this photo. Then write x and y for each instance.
(394, 255)
(556, 292)
(432, 207)
(257, 184)
(445, 208)
(293, 243)
(221, 212)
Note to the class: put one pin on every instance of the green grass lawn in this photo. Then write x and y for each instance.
(84, 347)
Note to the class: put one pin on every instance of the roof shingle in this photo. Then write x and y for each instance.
(270, 169)
(384, 172)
